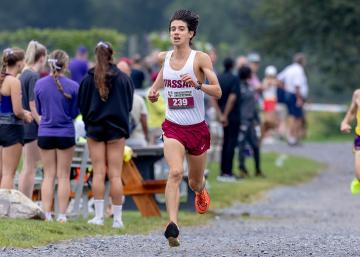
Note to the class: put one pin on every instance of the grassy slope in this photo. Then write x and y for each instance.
(28, 233)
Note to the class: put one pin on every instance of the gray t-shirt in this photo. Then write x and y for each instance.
(248, 105)
(28, 79)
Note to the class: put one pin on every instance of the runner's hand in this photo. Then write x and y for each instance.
(28, 117)
(187, 79)
(345, 128)
(153, 95)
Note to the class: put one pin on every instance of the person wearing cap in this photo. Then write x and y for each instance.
(296, 86)
(79, 65)
(254, 63)
(269, 93)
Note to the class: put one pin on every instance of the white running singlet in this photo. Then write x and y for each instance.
(185, 104)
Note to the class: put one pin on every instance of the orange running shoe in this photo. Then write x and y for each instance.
(202, 201)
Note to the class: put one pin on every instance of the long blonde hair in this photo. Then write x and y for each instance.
(58, 62)
(34, 52)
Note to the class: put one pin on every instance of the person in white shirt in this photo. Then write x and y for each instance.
(138, 128)
(296, 86)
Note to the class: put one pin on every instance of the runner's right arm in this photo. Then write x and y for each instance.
(350, 114)
(153, 93)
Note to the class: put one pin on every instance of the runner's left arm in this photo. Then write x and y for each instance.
(213, 88)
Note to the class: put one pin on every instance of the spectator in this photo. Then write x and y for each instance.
(56, 102)
(249, 122)
(105, 101)
(137, 73)
(212, 54)
(269, 93)
(156, 116)
(138, 126)
(296, 86)
(12, 115)
(254, 62)
(35, 60)
(79, 65)
(227, 110)
(240, 62)
(124, 66)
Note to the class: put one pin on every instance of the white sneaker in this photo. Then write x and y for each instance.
(49, 219)
(96, 221)
(118, 223)
(48, 216)
(61, 220)
(226, 178)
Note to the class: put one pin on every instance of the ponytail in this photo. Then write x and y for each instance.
(3, 73)
(58, 61)
(34, 52)
(103, 56)
(59, 86)
(9, 59)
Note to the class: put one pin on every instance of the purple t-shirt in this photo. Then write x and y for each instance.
(78, 69)
(57, 112)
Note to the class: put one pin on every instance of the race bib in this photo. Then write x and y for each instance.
(180, 100)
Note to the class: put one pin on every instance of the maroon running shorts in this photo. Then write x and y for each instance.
(195, 138)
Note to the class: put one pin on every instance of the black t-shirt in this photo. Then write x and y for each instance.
(28, 79)
(138, 78)
(229, 84)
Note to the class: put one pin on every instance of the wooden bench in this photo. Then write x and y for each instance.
(140, 190)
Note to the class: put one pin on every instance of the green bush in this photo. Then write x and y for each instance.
(325, 126)
(68, 40)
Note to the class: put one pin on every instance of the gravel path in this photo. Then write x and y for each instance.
(314, 219)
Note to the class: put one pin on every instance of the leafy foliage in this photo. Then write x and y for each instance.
(326, 30)
(67, 40)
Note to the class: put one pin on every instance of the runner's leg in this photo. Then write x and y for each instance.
(174, 153)
(197, 165)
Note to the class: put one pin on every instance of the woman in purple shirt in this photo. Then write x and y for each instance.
(56, 103)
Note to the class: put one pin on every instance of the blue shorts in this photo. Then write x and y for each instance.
(11, 134)
(293, 109)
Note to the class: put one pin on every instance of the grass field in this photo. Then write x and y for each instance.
(325, 126)
(224, 194)
(30, 233)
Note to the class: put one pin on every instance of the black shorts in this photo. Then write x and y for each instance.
(30, 132)
(29, 140)
(103, 133)
(49, 143)
(11, 134)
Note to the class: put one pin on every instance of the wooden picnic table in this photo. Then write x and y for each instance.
(135, 185)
